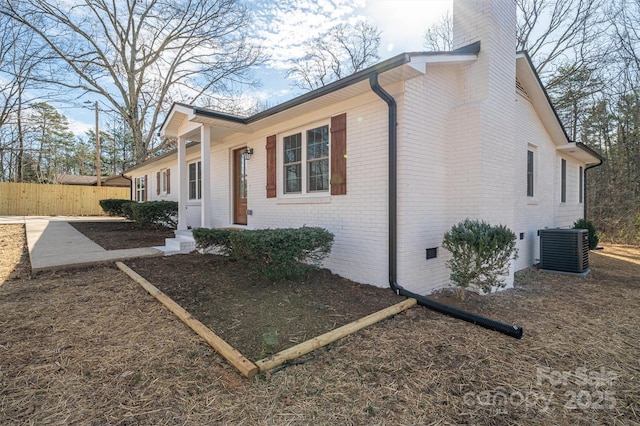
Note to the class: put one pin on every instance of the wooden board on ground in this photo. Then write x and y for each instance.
(331, 336)
(246, 367)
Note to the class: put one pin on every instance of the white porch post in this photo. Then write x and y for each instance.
(205, 156)
(183, 184)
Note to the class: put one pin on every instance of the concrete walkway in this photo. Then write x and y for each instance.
(54, 244)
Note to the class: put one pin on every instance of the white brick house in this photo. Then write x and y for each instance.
(475, 136)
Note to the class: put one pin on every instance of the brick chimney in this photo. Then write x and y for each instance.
(483, 164)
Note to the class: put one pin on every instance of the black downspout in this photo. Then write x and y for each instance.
(584, 196)
(393, 179)
(510, 330)
(130, 185)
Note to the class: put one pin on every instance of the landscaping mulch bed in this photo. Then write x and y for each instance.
(254, 315)
(89, 346)
(115, 235)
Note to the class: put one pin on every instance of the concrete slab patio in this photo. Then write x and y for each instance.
(55, 244)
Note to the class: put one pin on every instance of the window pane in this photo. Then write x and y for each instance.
(318, 143)
(563, 189)
(199, 180)
(318, 159)
(195, 181)
(140, 189)
(530, 173)
(192, 181)
(319, 175)
(242, 175)
(292, 165)
(292, 148)
(292, 178)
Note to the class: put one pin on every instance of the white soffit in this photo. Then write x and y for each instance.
(178, 115)
(420, 62)
(573, 150)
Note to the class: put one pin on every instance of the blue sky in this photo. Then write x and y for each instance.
(292, 23)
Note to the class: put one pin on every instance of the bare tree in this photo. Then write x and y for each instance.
(439, 37)
(558, 30)
(139, 56)
(341, 51)
(20, 55)
(551, 31)
(625, 19)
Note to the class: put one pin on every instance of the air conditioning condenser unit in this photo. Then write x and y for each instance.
(565, 250)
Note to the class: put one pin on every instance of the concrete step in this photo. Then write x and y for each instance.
(183, 233)
(167, 251)
(182, 243)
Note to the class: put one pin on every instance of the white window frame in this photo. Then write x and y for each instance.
(163, 181)
(140, 188)
(532, 200)
(198, 181)
(304, 161)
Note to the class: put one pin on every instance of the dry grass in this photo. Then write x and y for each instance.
(14, 258)
(91, 347)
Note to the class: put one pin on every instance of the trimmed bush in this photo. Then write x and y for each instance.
(158, 212)
(283, 253)
(127, 211)
(588, 225)
(274, 253)
(114, 206)
(480, 254)
(207, 238)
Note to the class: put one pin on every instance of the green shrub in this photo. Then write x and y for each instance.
(127, 211)
(593, 237)
(207, 238)
(281, 253)
(158, 212)
(114, 206)
(480, 254)
(274, 253)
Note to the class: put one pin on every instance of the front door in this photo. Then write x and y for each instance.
(240, 187)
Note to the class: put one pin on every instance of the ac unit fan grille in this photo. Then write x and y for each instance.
(564, 250)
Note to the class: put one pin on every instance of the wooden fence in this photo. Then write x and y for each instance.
(33, 199)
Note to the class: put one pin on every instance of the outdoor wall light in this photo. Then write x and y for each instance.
(248, 152)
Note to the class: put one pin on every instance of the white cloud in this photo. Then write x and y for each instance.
(404, 22)
(79, 128)
(286, 28)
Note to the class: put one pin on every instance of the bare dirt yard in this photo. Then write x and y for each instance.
(123, 235)
(89, 346)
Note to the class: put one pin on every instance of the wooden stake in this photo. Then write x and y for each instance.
(235, 358)
(333, 335)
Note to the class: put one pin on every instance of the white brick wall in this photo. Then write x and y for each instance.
(544, 209)
(423, 184)
(358, 220)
